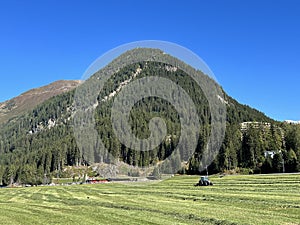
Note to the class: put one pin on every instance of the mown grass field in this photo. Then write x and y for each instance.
(257, 199)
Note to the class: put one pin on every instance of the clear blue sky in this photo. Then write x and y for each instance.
(253, 47)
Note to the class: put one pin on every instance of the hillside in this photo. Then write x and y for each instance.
(40, 144)
(30, 99)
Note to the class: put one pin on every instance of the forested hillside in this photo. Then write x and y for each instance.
(40, 144)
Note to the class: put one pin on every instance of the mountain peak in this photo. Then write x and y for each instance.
(29, 99)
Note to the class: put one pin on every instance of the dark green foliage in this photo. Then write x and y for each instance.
(267, 166)
(277, 163)
(30, 151)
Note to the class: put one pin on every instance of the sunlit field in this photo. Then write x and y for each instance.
(257, 199)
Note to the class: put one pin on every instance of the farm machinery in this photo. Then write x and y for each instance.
(204, 181)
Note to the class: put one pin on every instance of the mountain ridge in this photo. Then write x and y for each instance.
(33, 97)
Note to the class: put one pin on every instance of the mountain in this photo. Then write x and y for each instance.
(43, 142)
(30, 99)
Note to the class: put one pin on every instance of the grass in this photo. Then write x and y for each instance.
(257, 199)
(63, 180)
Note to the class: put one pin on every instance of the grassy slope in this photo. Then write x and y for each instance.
(270, 199)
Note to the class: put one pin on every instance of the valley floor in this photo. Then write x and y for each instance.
(255, 199)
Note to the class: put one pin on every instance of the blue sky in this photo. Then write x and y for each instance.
(253, 47)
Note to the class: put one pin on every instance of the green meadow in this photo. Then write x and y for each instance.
(242, 199)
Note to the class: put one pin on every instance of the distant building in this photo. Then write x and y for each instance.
(292, 122)
(246, 125)
(269, 153)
